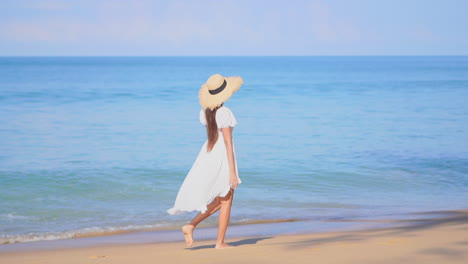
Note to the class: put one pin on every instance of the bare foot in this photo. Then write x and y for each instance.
(223, 246)
(188, 234)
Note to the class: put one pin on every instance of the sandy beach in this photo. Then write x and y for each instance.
(442, 239)
(342, 126)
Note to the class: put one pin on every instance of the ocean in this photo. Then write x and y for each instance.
(98, 145)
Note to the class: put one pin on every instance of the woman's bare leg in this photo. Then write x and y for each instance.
(224, 215)
(188, 229)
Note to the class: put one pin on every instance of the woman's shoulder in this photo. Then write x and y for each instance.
(224, 110)
(225, 117)
(202, 117)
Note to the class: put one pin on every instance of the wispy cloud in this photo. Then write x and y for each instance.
(213, 27)
(328, 27)
(48, 4)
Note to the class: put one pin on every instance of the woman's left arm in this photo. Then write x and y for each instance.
(227, 135)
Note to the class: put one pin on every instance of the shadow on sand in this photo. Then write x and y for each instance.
(248, 241)
(405, 228)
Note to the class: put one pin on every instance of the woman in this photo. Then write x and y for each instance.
(209, 186)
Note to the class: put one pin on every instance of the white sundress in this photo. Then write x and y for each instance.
(209, 176)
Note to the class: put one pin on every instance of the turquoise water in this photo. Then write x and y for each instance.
(90, 145)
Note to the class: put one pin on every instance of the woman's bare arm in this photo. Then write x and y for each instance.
(227, 135)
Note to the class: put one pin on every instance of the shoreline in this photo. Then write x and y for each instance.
(77, 234)
(93, 232)
(278, 227)
(442, 239)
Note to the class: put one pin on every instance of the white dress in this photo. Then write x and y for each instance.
(209, 176)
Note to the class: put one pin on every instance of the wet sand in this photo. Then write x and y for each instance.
(438, 239)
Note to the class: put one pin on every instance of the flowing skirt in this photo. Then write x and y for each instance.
(207, 179)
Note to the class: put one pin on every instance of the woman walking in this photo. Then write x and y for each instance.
(209, 186)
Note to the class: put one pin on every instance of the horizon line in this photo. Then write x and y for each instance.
(360, 55)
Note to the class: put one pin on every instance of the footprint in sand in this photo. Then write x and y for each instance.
(96, 257)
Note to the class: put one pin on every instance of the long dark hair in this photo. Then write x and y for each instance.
(211, 127)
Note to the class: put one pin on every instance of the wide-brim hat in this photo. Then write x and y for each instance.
(218, 89)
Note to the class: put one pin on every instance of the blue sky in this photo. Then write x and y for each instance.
(233, 27)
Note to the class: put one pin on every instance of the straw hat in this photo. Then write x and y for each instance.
(218, 89)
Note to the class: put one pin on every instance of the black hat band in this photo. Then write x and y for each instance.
(219, 89)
